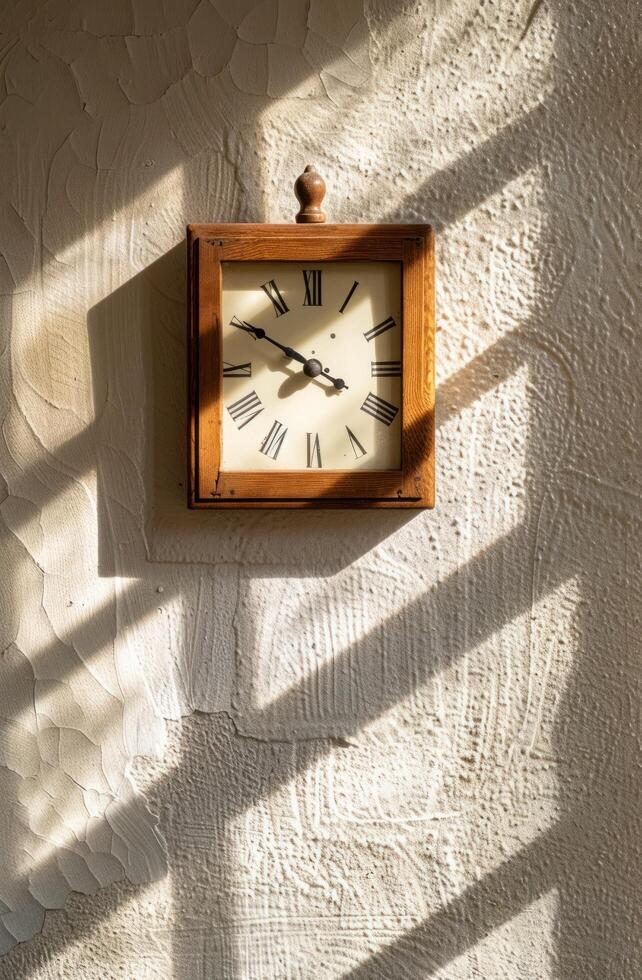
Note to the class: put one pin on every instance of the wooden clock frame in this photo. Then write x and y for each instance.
(410, 245)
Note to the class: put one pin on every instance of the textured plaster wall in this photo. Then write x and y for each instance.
(272, 745)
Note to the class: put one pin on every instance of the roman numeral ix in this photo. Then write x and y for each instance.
(379, 329)
(349, 296)
(244, 409)
(271, 445)
(314, 451)
(237, 370)
(357, 448)
(379, 408)
(385, 369)
(271, 290)
(312, 280)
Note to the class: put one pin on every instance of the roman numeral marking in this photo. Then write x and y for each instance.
(271, 445)
(349, 296)
(379, 329)
(271, 290)
(237, 370)
(385, 369)
(244, 409)
(312, 280)
(357, 448)
(379, 408)
(314, 451)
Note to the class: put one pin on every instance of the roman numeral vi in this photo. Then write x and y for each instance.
(314, 451)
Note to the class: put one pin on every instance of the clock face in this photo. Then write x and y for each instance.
(332, 399)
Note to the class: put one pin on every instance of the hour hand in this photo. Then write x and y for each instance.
(311, 366)
(314, 369)
(338, 383)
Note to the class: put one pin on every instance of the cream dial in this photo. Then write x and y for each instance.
(332, 400)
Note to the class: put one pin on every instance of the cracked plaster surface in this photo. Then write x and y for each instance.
(329, 745)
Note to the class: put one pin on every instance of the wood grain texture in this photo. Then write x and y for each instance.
(269, 231)
(412, 246)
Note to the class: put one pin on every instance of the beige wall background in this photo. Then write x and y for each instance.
(331, 745)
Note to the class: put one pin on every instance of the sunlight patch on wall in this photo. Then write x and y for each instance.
(443, 745)
(490, 280)
(554, 628)
(51, 363)
(496, 86)
(450, 116)
(76, 822)
(178, 636)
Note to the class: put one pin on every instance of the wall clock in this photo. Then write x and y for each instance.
(311, 362)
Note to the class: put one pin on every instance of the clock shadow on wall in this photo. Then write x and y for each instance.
(139, 374)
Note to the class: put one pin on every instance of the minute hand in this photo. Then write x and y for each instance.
(260, 334)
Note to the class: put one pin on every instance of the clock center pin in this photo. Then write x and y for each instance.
(312, 368)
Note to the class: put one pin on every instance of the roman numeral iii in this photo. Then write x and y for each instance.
(379, 329)
(244, 409)
(271, 445)
(379, 408)
(271, 290)
(237, 370)
(357, 448)
(314, 451)
(385, 369)
(312, 280)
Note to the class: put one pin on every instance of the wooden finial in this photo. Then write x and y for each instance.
(310, 191)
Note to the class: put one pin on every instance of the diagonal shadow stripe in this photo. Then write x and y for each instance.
(491, 582)
(473, 915)
(492, 575)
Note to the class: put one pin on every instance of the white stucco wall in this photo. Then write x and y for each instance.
(320, 745)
